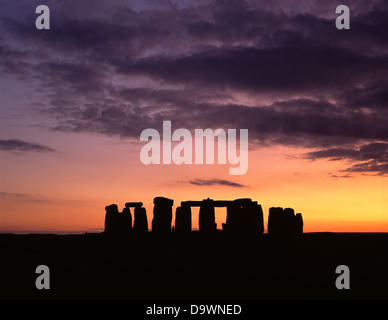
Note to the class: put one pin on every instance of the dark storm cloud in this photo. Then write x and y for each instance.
(298, 122)
(377, 151)
(24, 146)
(212, 182)
(372, 96)
(270, 69)
(369, 158)
(119, 69)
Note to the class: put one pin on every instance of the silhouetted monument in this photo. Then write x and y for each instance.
(126, 220)
(244, 217)
(161, 223)
(116, 222)
(299, 223)
(183, 219)
(284, 222)
(140, 225)
(207, 218)
(275, 225)
(133, 204)
(110, 215)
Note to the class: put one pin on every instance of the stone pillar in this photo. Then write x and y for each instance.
(299, 224)
(207, 219)
(183, 219)
(126, 219)
(284, 222)
(117, 223)
(289, 222)
(244, 217)
(161, 223)
(275, 221)
(111, 218)
(233, 214)
(254, 222)
(140, 224)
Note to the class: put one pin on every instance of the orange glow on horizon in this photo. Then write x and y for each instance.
(69, 191)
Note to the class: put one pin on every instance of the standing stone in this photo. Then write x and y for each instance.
(161, 223)
(111, 218)
(284, 222)
(275, 221)
(183, 219)
(299, 224)
(140, 224)
(289, 222)
(254, 223)
(117, 223)
(244, 217)
(233, 212)
(207, 219)
(127, 219)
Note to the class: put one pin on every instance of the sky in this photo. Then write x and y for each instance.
(75, 99)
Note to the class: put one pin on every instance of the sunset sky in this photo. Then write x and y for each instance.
(74, 100)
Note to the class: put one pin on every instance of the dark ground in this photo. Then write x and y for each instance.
(90, 266)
